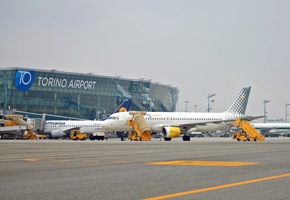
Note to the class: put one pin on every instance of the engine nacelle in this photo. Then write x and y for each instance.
(55, 134)
(171, 132)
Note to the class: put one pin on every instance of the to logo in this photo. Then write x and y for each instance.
(23, 80)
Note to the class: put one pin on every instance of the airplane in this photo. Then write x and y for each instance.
(58, 128)
(272, 128)
(173, 124)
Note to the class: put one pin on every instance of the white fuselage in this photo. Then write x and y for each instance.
(84, 126)
(272, 127)
(194, 122)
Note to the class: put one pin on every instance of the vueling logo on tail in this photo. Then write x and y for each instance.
(240, 103)
(23, 80)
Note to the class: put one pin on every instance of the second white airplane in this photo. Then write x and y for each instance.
(173, 124)
(272, 128)
(58, 128)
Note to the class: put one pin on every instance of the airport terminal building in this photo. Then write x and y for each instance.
(79, 95)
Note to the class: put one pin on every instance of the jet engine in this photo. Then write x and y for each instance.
(55, 134)
(170, 132)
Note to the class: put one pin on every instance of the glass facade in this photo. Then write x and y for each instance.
(86, 96)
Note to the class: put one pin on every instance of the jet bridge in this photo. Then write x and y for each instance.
(141, 130)
(247, 133)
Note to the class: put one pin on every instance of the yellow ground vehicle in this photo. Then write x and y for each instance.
(242, 136)
(10, 123)
(141, 130)
(77, 135)
(133, 136)
(41, 136)
(29, 135)
(248, 132)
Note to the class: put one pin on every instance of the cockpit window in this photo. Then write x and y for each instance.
(113, 118)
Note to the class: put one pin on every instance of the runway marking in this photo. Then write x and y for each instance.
(60, 161)
(33, 159)
(92, 161)
(52, 156)
(43, 159)
(218, 187)
(204, 163)
(122, 161)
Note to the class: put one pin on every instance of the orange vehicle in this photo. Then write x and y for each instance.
(77, 135)
(248, 132)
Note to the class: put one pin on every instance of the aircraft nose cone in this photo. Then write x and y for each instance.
(106, 124)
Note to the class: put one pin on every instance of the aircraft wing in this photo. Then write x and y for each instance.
(64, 129)
(266, 130)
(67, 130)
(187, 126)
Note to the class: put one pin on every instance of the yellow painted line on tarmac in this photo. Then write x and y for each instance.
(33, 159)
(204, 163)
(218, 187)
(122, 161)
(60, 161)
(43, 159)
(92, 161)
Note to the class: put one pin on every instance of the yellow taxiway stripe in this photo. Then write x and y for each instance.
(218, 187)
(204, 163)
(122, 161)
(91, 161)
(34, 159)
(60, 161)
(43, 159)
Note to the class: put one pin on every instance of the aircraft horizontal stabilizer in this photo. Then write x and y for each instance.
(251, 118)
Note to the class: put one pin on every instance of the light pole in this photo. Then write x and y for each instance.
(195, 108)
(208, 101)
(265, 112)
(286, 115)
(186, 102)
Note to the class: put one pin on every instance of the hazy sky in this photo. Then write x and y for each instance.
(200, 47)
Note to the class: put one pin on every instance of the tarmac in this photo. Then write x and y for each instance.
(203, 168)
